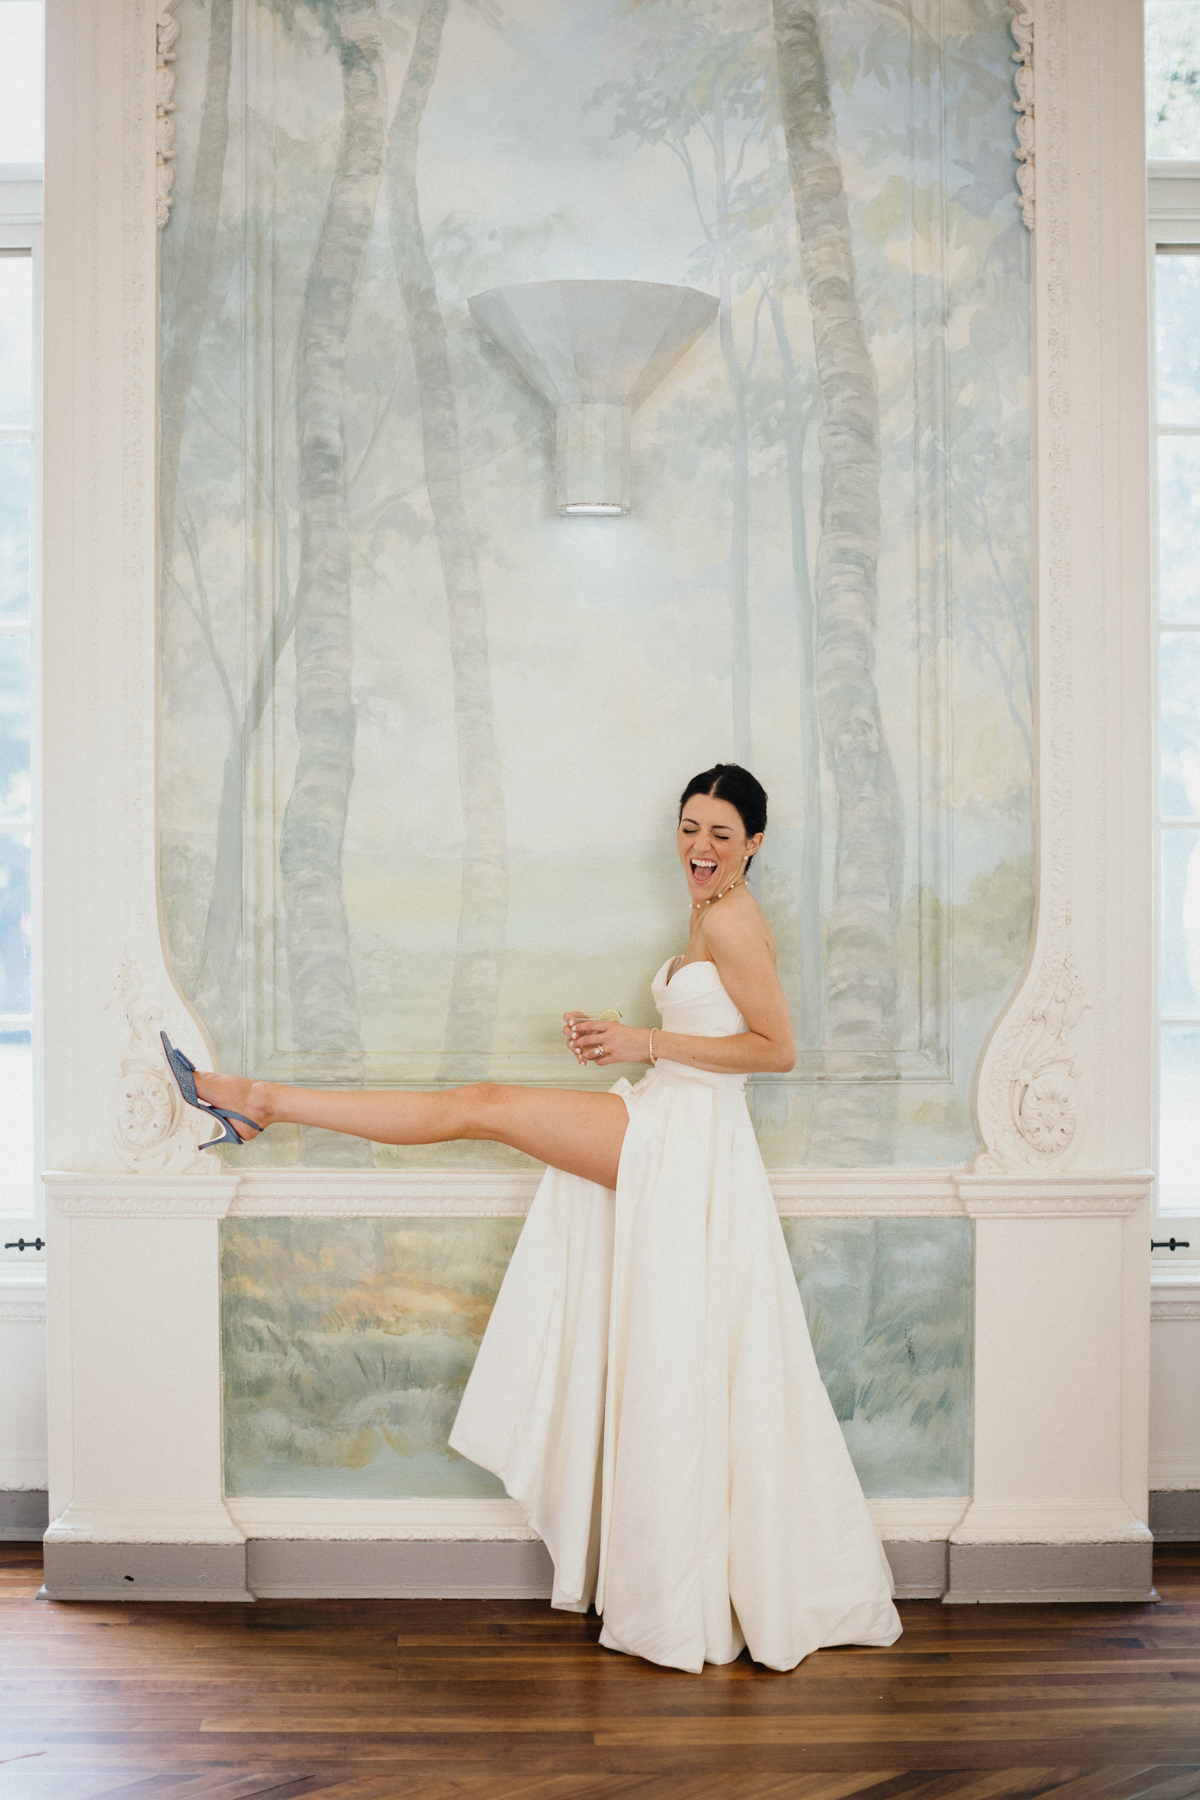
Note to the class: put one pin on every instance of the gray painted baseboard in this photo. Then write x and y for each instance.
(1175, 1515)
(400, 1569)
(145, 1572)
(505, 1569)
(24, 1515)
(982, 1573)
(919, 1568)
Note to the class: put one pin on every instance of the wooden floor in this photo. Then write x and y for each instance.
(435, 1700)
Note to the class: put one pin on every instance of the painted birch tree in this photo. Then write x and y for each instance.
(483, 906)
(798, 407)
(854, 1117)
(325, 1013)
(191, 299)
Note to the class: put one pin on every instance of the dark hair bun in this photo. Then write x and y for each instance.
(729, 781)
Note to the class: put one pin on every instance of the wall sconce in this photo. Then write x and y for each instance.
(594, 350)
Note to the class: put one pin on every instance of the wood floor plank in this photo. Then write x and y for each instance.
(472, 1700)
(1155, 1783)
(1043, 1726)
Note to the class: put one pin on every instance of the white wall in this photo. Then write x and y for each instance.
(1175, 1380)
(23, 1457)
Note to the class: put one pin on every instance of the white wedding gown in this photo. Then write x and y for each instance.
(647, 1392)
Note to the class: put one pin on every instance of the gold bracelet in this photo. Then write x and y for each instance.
(653, 1058)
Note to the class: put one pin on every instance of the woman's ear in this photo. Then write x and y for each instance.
(754, 844)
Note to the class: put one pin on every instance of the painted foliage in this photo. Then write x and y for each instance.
(347, 1344)
(422, 735)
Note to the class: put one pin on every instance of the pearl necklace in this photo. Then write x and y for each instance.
(697, 904)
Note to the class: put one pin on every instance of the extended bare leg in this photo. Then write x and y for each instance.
(581, 1133)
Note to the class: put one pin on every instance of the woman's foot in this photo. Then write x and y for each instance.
(233, 1093)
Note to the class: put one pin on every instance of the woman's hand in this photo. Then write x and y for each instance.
(603, 1042)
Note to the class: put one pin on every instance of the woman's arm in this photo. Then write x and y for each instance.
(739, 948)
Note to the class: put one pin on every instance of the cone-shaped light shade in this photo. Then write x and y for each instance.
(594, 350)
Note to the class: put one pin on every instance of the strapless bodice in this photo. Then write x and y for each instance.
(694, 1001)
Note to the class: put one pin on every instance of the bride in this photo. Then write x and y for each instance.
(646, 1389)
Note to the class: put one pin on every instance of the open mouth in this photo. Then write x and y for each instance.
(703, 869)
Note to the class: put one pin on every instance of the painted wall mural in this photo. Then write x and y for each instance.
(347, 1344)
(422, 736)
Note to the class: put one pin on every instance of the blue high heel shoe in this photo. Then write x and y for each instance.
(184, 1070)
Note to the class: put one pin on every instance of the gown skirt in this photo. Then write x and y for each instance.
(647, 1393)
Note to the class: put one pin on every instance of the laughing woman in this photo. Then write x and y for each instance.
(646, 1389)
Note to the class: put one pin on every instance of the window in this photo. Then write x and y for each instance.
(20, 393)
(1172, 79)
(17, 448)
(1177, 423)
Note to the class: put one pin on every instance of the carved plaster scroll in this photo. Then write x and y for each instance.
(1022, 30)
(1027, 1100)
(164, 125)
(1029, 1103)
(153, 1129)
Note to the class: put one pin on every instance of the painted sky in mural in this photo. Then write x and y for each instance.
(347, 1344)
(421, 735)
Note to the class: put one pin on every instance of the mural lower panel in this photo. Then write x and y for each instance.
(347, 1344)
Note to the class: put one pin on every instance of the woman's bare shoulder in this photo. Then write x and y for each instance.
(736, 924)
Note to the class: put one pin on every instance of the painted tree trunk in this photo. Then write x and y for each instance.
(192, 300)
(854, 1121)
(739, 534)
(219, 985)
(325, 1014)
(483, 908)
(808, 883)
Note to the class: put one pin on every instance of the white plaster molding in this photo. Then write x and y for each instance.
(1027, 1100)
(105, 974)
(166, 34)
(1061, 1196)
(898, 1521)
(143, 1523)
(84, 1196)
(384, 1193)
(21, 1311)
(507, 1194)
(21, 1475)
(1076, 1521)
(916, 1521)
(1022, 30)
(1174, 1303)
(1064, 1077)
(1029, 1109)
(23, 1295)
(865, 1193)
(486, 1521)
(153, 1127)
(1180, 1271)
(1178, 1475)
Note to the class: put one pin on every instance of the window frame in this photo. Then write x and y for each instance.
(21, 220)
(1173, 194)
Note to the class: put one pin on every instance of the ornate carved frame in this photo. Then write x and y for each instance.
(1059, 1192)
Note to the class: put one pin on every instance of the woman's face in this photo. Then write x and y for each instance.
(713, 846)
